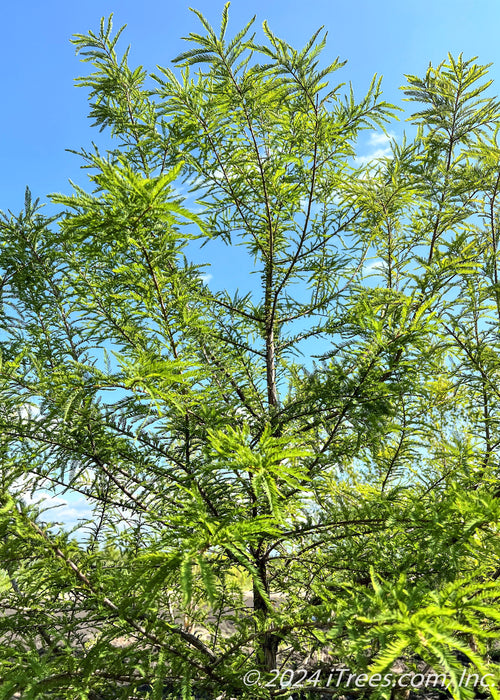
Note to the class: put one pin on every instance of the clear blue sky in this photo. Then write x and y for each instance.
(44, 113)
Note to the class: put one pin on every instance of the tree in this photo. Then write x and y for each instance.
(305, 472)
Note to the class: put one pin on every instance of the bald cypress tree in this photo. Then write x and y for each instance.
(303, 471)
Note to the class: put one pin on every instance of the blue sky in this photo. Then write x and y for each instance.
(44, 113)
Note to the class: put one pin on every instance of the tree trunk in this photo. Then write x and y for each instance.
(267, 650)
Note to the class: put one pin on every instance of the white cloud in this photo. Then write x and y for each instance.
(372, 157)
(380, 147)
(67, 509)
(59, 509)
(29, 410)
(380, 139)
(375, 267)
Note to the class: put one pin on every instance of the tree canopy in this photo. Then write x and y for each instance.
(300, 475)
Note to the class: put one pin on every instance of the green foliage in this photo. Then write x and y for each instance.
(301, 473)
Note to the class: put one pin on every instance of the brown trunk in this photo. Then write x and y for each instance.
(267, 651)
(272, 392)
(267, 647)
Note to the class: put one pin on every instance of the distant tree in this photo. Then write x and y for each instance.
(304, 472)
